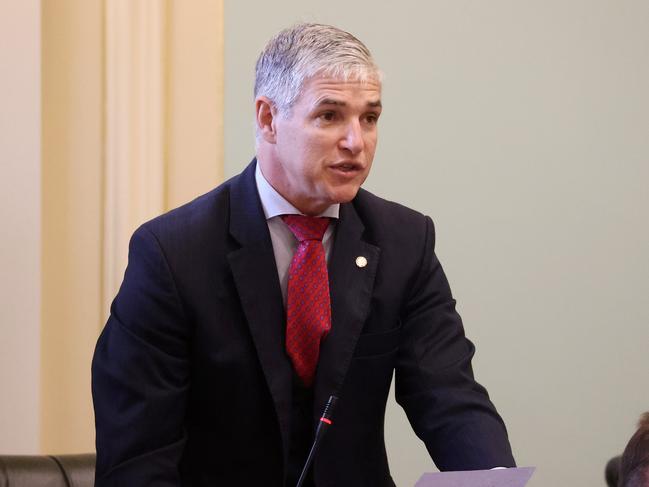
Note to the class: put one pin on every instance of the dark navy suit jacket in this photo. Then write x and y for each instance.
(191, 383)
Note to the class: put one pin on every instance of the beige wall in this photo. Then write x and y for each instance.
(63, 234)
(72, 168)
(20, 213)
(194, 99)
(163, 121)
(521, 128)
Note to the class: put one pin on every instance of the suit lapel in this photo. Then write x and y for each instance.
(351, 291)
(255, 276)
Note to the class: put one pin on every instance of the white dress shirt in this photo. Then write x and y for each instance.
(283, 240)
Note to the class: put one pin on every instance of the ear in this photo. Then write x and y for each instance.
(265, 114)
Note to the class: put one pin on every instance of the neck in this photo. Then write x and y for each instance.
(306, 206)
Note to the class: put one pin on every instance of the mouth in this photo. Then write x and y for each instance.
(347, 167)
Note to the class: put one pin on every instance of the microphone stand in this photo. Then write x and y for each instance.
(323, 425)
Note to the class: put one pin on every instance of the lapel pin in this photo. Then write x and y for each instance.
(361, 261)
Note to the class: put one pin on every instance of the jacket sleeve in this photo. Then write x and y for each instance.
(446, 407)
(140, 375)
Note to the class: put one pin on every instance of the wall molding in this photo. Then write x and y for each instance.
(134, 184)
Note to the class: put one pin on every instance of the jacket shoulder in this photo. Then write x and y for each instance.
(384, 219)
(205, 212)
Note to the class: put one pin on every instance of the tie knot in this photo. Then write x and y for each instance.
(306, 227)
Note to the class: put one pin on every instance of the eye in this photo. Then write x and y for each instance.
(372, 118)
(328, 116)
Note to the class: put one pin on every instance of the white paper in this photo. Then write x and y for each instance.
(505, 477)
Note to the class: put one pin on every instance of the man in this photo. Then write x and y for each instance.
(217, 359)
(634, 463)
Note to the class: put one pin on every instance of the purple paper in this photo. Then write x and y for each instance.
(505, 477)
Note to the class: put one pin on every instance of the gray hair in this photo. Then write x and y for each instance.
(300, 52)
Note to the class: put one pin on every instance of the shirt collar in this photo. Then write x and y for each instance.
(274, 204)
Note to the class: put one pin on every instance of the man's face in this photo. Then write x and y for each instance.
(325, 146)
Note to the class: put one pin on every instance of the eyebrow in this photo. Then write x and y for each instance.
(331, 101)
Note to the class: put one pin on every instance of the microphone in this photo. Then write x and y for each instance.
(323, 425)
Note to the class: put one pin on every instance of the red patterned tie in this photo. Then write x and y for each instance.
(308, 311)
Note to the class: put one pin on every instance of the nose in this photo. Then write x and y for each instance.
(352, 138)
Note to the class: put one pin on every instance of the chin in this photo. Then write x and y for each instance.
(345, 196)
